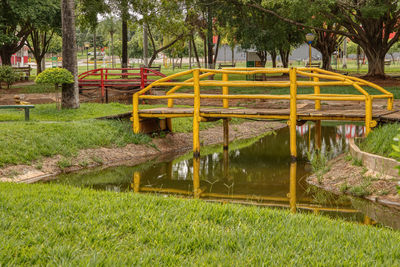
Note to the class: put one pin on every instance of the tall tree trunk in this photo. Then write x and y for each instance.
(195, 52)
(233, 54)
(210, 37)
(376, 63)
(284, 57)
(216, 51)
(326, 60)
(205, 51)
(70, 92)
(6, 57)
(263, 57)
(273, 58)
(124, 43)
(112, 50)
(190, 53)
(145, 44)
(94, 49)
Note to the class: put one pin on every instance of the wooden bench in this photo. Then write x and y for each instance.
(220, 66)
(25, 107)
(388, 62)
(313, 64)
(26, 71)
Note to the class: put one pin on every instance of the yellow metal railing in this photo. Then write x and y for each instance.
(318, 78)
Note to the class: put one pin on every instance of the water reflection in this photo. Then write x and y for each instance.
(259, 174)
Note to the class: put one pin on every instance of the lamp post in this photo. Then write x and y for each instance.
(87, 45)
(310, 38)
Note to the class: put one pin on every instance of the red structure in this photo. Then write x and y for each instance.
(117, 78)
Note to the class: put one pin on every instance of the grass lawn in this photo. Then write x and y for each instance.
(380, 140)
(46, 224)
(48, 112)
(65, 132)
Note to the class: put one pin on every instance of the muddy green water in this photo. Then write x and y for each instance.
(256, 172)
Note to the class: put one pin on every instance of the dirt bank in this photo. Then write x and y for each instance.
(344, 177)
(130, 154)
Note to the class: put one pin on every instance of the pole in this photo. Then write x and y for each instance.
(87, 58)
(345, 53)
(190, 54)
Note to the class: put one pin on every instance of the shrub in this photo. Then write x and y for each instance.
(8, 75)
(55, 76)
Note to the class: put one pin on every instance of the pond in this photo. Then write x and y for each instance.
(257, 171)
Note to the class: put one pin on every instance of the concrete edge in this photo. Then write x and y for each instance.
(386, 166)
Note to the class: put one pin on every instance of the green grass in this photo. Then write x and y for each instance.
(35, 88)
(65, 132)
(380, 140)
(49, 112)
(60, 225)
(24, 142)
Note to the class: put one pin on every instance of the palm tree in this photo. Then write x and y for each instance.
(109, 25)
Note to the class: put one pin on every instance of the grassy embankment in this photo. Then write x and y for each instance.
(60, 225)
(65, 132)
(380, 140)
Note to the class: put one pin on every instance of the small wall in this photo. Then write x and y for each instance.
(374, 162)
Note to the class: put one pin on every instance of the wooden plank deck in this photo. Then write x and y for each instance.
(303, 113)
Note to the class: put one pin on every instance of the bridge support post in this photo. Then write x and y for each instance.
(318, 134)
(368, 114)
(293, 113)
(196, 134)
(292, 191)
(136, 182)
(196, 177)
(317, 91)
(196, 114)
(135, 114)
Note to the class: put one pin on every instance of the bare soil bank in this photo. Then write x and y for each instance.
(344, 177)
(131, 154)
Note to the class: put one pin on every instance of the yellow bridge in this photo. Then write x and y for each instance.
(196, 80)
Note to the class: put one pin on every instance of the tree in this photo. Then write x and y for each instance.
(165, 20)
(265, 34)
(109, 26)
(70, 92)
(43, 32)
(88, 12)
(17, 21)
(373, 24)
(326, 43)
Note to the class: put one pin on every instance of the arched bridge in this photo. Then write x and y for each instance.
(196, 85)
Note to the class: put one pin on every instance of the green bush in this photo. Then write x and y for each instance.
(8, 75)
(55, 76)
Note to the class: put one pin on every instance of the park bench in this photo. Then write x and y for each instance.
(388, 62)
(25, 107)
(313, 64)
(25, 71)
(220, 66)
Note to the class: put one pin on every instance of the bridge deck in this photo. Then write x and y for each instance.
(302, 113)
